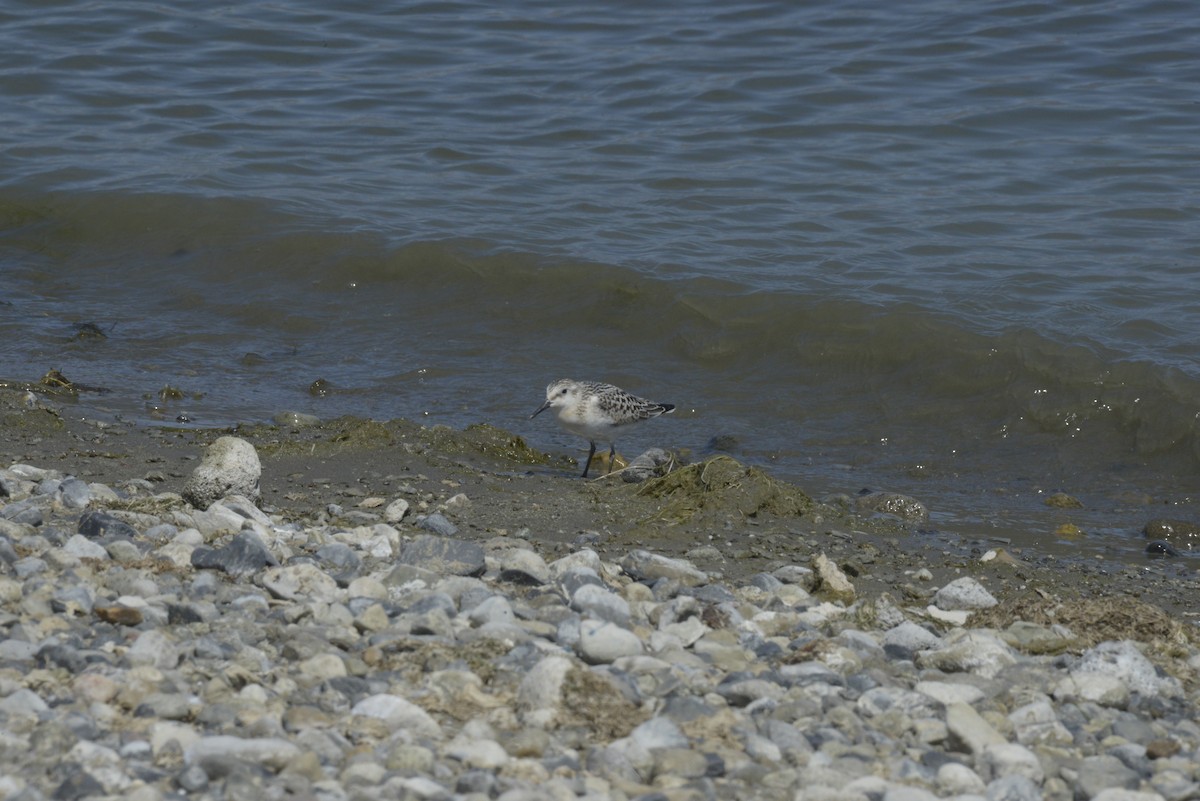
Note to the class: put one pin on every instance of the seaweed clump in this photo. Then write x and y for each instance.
(721, 486)
(486, 439)
(1094, 620)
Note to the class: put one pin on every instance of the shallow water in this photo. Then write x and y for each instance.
(943, 251)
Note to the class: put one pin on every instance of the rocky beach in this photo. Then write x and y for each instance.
(353, 609)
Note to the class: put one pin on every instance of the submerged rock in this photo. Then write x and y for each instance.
(1177, 533)
(891, 503)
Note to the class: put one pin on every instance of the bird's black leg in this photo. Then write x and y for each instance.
(591, 453)
(612, 454)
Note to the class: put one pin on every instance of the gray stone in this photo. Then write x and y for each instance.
(964, 593)
(570, 580)
(970, 730)
(954, 778)
(646, 566)
(395, 511)
(443, 555)
(339, 558)
(646, 466)
(155, 649)
(788, 738)
(438, 524)
(244, 507)
(301, 582)
(23, 702)
(1007, 759)
(101, 525)
(950, 692)
(75, 494)
(809, 673)
(658, 732)
(193, 779)
(270, 752)
(81, 547)
(29, 566)
(601, 642)
(230, 467)
(216, 519)
(1123, 660)
(398, 714)
(907, 793)
(740, 690)
(884, 700)
(161, 533)
(78, 785)
(1037, 724)
(18, 651)
(523, 566)
(242, 556)
(1133, 756)
(76, 600)
(168, 706)
(969, 650)
(911, 637)
(480, 754)
(585, 559)
(599, 603)
(494, 610)
(831, 581)
(27, 513)
(1105, 771)
(540, 694)
(1121, 794)
(1096, 688)
(1013, 787)
(123, 551)
(61, 655)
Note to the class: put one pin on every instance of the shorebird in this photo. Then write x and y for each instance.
(596, 411)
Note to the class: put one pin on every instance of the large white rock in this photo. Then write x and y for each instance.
(230, 467)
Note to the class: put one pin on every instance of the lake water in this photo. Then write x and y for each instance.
(945, 249)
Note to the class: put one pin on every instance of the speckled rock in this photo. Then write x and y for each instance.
(230, 467)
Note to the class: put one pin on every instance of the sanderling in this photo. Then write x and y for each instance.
(596, 411)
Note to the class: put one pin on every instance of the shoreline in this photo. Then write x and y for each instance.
(309, 465)
(436, 613)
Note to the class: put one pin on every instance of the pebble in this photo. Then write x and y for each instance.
(275, 658)
(442, 555)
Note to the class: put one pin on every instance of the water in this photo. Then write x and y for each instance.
(942, 249)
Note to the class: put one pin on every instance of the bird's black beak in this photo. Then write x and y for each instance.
(540, 409)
